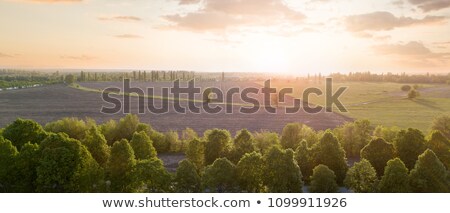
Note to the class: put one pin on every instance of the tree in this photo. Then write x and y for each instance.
(265, 140)
(195, 153)
(142, 146)
(442, 123)
(387, 133)
(171, 138)
(151, 176)
(304, 160)
(429, 174)
(187, 179)
(120, 166)
(97, 146)
(126, 127)
(361, 177)
(413, 94)
(323, 180)
(329, 152)
(440, 145)
(406, 88)
(281, 172)
(243, 143)
(218, 144)
(69, 79)
(26, 164)
(8, 155)
(409, 145)
(220, 176)
(395, 178)
(187, 135)
(74, 127)
(354, 136)
(66, 166)
(108, 129)
(293, 133)
(22, 131)
(250, 172)
(378, 152)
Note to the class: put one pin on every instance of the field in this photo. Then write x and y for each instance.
(50, 103)
(384, 103)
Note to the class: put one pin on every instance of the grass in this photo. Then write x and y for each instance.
(384, 103)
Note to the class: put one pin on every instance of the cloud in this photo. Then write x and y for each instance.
(222, 15)
(120, 18)
(430, 5)
(78, 57)
(381, 21)
(128, 36)
(3, 55)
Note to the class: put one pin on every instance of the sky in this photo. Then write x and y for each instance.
(274, 36)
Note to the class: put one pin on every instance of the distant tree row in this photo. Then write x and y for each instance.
(390, 77)
(73, 155)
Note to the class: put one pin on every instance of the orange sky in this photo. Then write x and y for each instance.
(277, 36)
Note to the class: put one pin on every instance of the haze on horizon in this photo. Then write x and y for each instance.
(276, 36)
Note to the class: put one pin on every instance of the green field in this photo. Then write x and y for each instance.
(384, 103)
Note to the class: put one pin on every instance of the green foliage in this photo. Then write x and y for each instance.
(442, 123)
(187, 179)
(304, 160)
(142, 146)
(440, 145)
(409, 145)
(108, 130)
(26, 164)
(406, 88)
(281, 172)
(329, 152)
(97, 146)
(265, 140)
(378, 152)
(151, 176)
(126, 127)
(195, 153)
(160, 142)
(66, 166)
(220, 176)
(395, 178)
(293, 133)
(74, 127)
(323, 180)
(171, 138)
(387, 133)
(243, 143)
(362, 177)
(250, 172)
(8, 155)
(354, 136)
(218, 144)
(69, 79)
(187, 135)
(429, 174)
(120, 166)
(413, 94)
(22, 131)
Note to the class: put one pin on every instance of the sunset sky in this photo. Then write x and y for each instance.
(277, 36)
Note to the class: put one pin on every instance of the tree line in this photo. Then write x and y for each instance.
(74, 155)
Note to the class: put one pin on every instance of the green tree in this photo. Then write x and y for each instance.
(195, 153)
(69, 79)
(142, 146)
(172, 139)
(120, 166)
(304, 160)
(378, 152)
(406, 88)
(409, 145)
(429, 174)
(220, 176)
(329, 152)
(281, 172)
(22, 131)
(442, 123)
(8, 155)
(74, 127)
(265, 140)
(187, 179)
(187, 135)
(361, 177)
(151, 176)
(440, 146)
(97, 146)
(387, 133)
(250, 172)
(293, 133)
(395, 178)
(218, 144)
(413, 94)
(126, 127)
(108, 129)
(66, 166)
(243, 143)
(323, 180)
(26, 164)
(354, 136)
